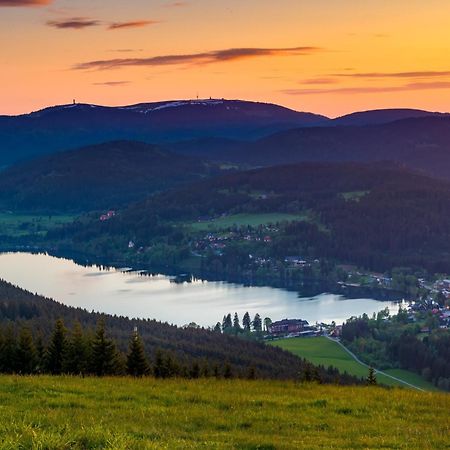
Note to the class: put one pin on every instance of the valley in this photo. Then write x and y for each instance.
(224, 225)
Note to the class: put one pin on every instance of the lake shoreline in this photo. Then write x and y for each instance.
(95, 285)
(309, 287)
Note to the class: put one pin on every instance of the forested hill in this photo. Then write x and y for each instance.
(420, 143)
(107, 175)
(20, 310)
(71, 126)
(378, 216)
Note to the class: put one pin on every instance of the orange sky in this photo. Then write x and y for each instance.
(326, 56)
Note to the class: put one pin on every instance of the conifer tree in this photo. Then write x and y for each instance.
(103, 353)
(40, 353)
(236, 323)
(76, 357)
(227, 371)
(227, 323)
(159, 368)
(218, 328)
(251, 374)
(136, 361)
(257, 323)
(371, 378)
(8, 351)
(26, 352)
(56, 349)
(195, 370)
(246, 322)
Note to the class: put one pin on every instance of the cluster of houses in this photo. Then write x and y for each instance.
(217, 242)
(444, 287)
(107, 216)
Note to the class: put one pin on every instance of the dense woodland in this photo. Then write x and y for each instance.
(398, 343)
(421, 143)
(104, 176)
(345, 206)
(39, 335)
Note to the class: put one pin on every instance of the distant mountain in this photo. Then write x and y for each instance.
(70, 126)
(100, 176)
(422, 144)
(381, 116)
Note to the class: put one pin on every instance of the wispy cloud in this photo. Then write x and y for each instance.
(25, 2)
(371, 89)
(132, 24)
(215, 56)
(77, 23)
(319, 81)
(417, 74)
(112, 83)
(176, 4)
(126, 50)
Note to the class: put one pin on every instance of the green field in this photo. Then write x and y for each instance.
(412, 378)
(123, 413)
(16, 225)
(246, 219)
(323, 351)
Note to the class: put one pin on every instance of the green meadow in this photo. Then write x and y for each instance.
(323, 351)
(16, 225)
(124, 413)
(253, 220)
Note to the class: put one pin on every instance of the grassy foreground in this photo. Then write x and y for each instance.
(123, 413)
(323, 351)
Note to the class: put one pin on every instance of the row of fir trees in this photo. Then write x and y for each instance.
(76, 352)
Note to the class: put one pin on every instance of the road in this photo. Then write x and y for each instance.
(376, 371)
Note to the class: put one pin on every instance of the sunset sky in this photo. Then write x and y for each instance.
(325, 56)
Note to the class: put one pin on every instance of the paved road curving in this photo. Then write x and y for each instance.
(376, 371)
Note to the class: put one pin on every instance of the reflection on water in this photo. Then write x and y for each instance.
(157, 296)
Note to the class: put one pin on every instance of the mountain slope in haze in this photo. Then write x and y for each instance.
(422, 144)
(100, 176)
(71, 126)
(381, 116)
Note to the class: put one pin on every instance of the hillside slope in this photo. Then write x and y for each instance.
(380, 116)
(420, 143)
(20, 308)
(101, 176)
(70, 126)
(146, 413)
(345, 206)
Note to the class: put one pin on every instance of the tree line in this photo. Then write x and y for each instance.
(232, 324)
(50, 328)
(397, 343)
(76, 351)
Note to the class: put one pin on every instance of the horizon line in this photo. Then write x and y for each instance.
(74, 103)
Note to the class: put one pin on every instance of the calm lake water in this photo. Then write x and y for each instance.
(158, 297)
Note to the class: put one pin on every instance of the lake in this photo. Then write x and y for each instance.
(158, 297)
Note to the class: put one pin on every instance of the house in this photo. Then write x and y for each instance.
(288, 326)
(336, 331)
(107, 216)
(295, 260)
